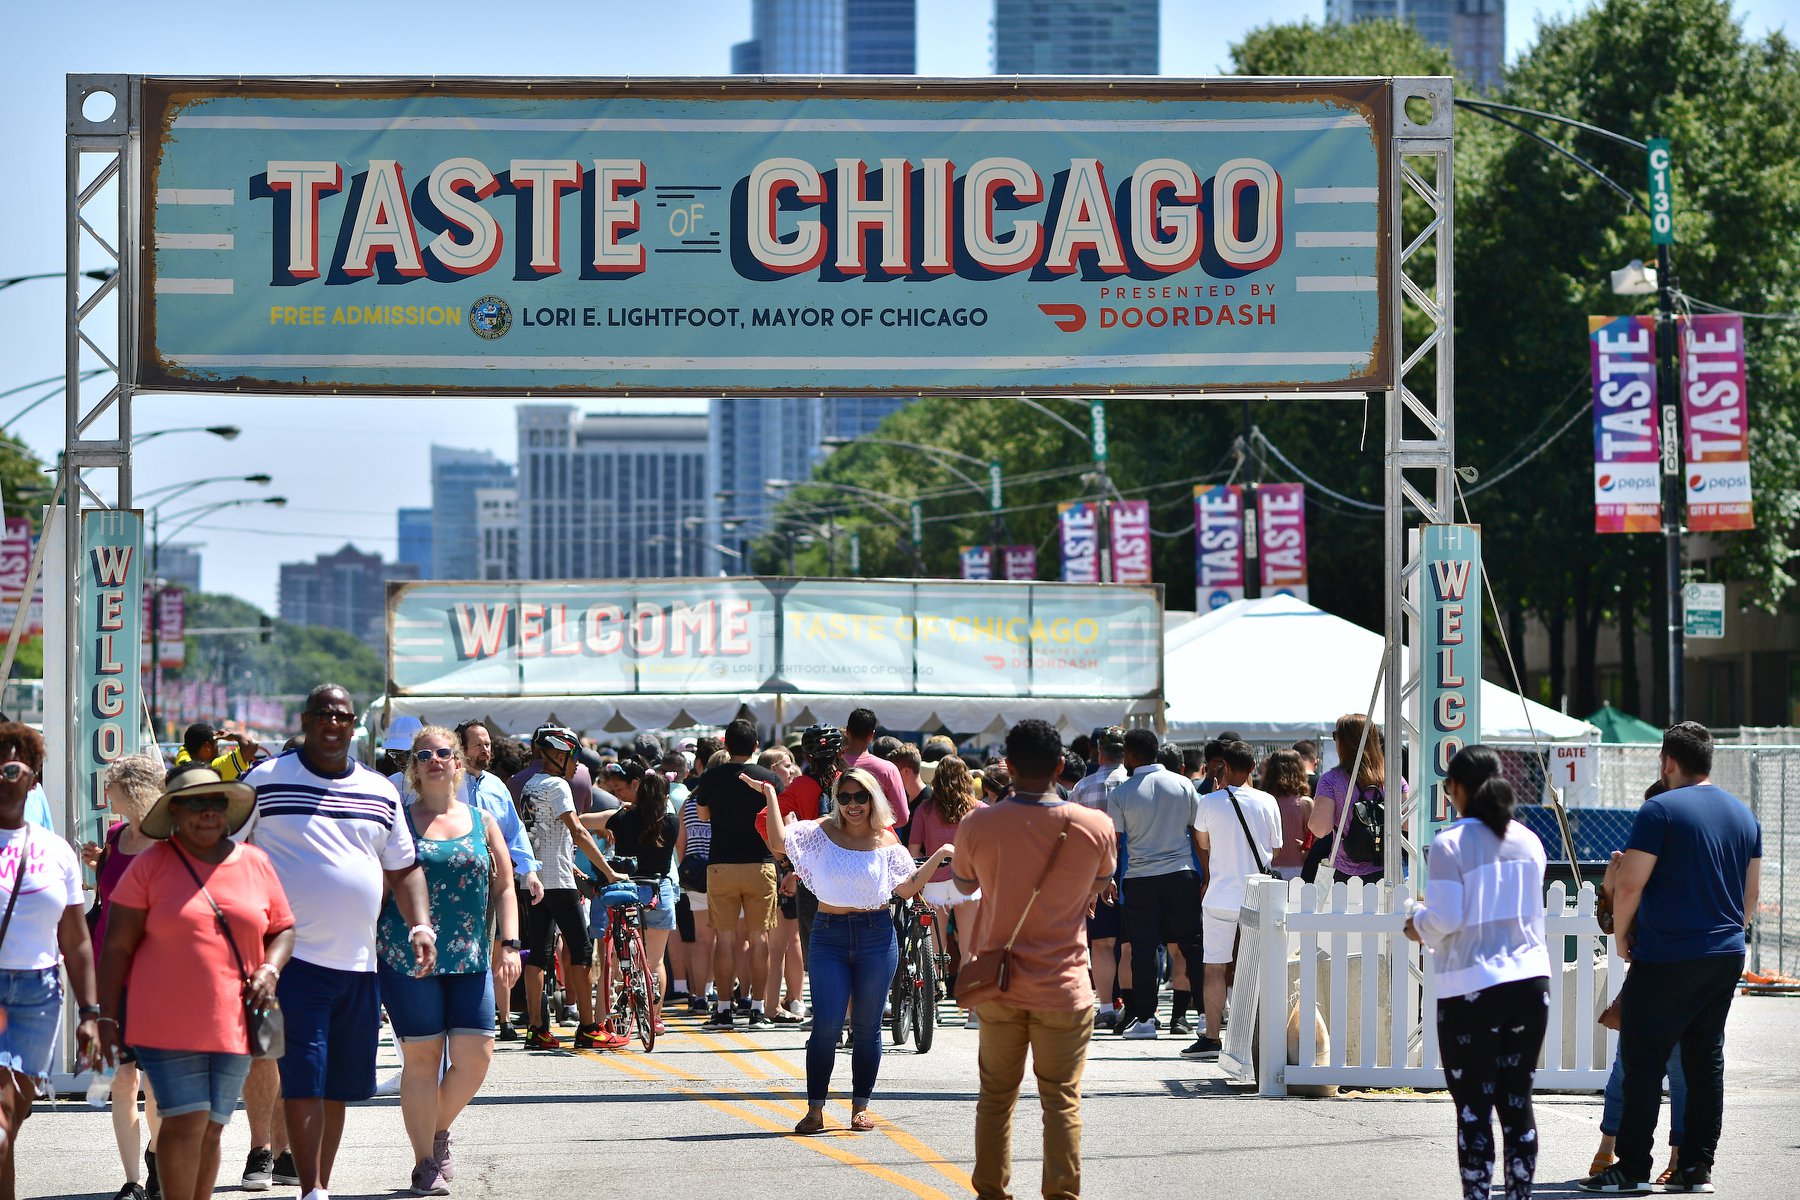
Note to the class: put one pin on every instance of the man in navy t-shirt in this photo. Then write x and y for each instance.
(1685, 890)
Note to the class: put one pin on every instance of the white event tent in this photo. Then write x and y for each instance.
(1277, 668)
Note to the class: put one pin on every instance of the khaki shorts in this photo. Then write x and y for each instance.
(747, 888)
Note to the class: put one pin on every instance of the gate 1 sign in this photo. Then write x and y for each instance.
(1627, 465)
(707, 236)
(1450, 672)
(1575, 770)
(112, 614)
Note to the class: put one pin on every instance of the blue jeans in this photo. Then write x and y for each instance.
(1614, 1106)
(853, 960)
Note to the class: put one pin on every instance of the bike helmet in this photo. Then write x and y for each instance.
(822, 742)
(555, 737)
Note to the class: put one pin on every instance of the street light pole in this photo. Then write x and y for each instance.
(1097, 436)
(1668, 386)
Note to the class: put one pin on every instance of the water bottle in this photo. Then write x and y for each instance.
(100, 1086)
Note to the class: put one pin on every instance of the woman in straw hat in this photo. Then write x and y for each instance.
(188, 984)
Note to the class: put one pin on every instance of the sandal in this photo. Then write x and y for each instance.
(1600, 1163)
(862, 1121)
(1669, 1171)
(813, 1123)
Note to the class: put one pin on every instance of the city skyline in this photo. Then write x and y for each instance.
(346, 464)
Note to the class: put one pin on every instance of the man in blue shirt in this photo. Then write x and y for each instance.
(1682, 896)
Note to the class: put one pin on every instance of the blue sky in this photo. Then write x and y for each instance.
(345, 465)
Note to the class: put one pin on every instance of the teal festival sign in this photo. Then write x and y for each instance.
(1450, 667)
(110, 705)
(717, 636)
(744, 236)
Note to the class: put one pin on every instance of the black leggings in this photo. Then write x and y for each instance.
(1489, 1043)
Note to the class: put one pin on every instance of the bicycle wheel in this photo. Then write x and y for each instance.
(900, 1016)
(638, 976)
(924, 994)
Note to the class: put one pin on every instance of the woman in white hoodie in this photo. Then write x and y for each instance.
(1483, 919)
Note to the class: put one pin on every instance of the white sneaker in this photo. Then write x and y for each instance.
(974, 1022)
(1137, 1031)
(387, 1087)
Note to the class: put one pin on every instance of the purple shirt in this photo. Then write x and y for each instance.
(1334, 785)
(111, 871)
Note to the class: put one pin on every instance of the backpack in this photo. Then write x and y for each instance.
(1363, 831)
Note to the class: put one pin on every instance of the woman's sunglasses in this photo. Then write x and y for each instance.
(856, 797)
(426, 756)
(12, 772)
(200, 804)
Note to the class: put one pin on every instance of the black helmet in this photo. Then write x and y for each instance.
(821, 741)
(555, 737)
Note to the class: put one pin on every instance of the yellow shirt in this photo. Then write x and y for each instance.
(229, 766)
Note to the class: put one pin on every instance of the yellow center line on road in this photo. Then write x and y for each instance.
(923, 1151)
(634, 1068)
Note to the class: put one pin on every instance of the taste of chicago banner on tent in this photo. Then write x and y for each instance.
(1281, 539)
(1218, 545)
(1716, 421)
(1078, 527)
(1627, 454)
(747, 635)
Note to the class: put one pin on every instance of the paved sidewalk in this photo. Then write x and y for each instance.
(708, 1114)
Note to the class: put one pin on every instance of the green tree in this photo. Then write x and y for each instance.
(299, 657)
(23, 484)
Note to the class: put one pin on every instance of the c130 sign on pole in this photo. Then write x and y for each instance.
(699, 236)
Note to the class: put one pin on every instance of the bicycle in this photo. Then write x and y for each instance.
(914, 995)
(625, 977)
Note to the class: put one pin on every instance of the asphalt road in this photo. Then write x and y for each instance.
(708, 1115)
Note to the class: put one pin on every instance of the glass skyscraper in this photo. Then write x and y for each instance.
(829, 37)
(1474, 31)
(1077, 37)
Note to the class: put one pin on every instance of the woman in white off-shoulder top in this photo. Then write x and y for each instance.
(853, 863)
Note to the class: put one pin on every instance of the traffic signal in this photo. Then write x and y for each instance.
(268, 629)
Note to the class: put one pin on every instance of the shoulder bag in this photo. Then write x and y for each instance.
(266, 1026)
(991, 970)
(18, 881)
(1262, 868)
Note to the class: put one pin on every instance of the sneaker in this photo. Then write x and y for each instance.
(658, 1028)
(719, 1020)
(1179, 1025)
(542, 1039)
(152, 1181)
(758, 1019)
(259, 1169)
(508, 1032)
(569, 1015)
(742, 1004)
(285, 1172)
(698, 1005)
(389, 1086)
(1683, 1180)
(972, 1021)
(1203, 1047)
(1139, 1031)
(440, 1154)
(589, 1037)
(131, 1191)
(427, 1180)
(1106, 1022)
(1614, 1181)
(796, 1007)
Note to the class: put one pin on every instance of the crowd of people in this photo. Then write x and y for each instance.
(256, 915)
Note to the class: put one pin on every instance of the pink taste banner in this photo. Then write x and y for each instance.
(1281, 538)
(1078, 524)
(1218, 545)
(1020, 562)
(1131, 541)
(1627, 461)
(977, 562)
(1715, 416)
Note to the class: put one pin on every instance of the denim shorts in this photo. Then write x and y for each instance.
(31, 1002)
(663, 915)
(460, 1005)
(333, 1032)
(191, 1081)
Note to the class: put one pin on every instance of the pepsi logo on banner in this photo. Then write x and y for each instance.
(1019, 562)
(1716, 423)
(1078, 524)
(977, 562)
(1281, 538)
(1218, 545)
(1131, 541)
(1627, 455)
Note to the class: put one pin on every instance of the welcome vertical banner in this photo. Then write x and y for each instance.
(1450, 666)
(1078, 526)
(1627, 462)
(977, 562)
(1131, 541)
(110, 704)
(1281, 538)
(1218, 545)
(1715, 415)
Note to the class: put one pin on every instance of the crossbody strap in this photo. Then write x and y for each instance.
(1043, 876)
(1261, 867)
(218, 913)
(18, 882)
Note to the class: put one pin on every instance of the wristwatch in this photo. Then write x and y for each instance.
(511, 944)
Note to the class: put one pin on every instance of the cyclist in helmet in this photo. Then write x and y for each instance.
(548, 806)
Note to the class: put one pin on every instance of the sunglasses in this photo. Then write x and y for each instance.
(425, 756)
(12, 772)
(856, 797)
(335, 715)
(202, 804)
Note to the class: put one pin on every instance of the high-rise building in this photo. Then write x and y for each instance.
(456, 475)
(830, 37)
(178, 564)
(344, 590)
(881, 37)
(414, 531)
(609, 495)
(497, 530)
(1474, 31)
(1077, 37)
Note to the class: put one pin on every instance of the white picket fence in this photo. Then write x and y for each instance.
(1340, 950)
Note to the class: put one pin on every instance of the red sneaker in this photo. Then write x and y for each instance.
(542, 1039)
